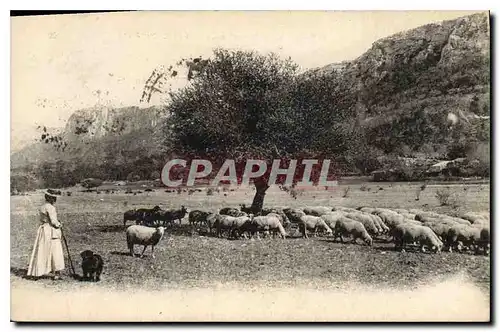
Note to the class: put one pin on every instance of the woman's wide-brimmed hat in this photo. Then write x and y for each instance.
(52, 192)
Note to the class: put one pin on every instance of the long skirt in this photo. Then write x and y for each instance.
(47, 255)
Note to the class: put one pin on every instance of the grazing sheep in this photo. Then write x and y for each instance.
(409, 215)
(391, 219)
(171, 215)
(212, 221)
(401, 211)
(475, 218)
(344, 209)
(198, 217)
(332, 218)
(412, 222)
(378, 211)
(484, 240)
(351, 228)
(366, 209)
(366, 221)
(146, 217)
(233, 212)
(379, 223)
(421, 216)
(269, 223)
(470, 237)
(459, 220)
(317, 210)
(402, 225)
(440, 228)
(277, 210)
(145, 236)
(422, 235)
(294, 215)
(451, 237)
(313, 223)
(241, 226)
(233, 225)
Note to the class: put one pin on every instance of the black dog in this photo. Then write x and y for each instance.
(92, 265)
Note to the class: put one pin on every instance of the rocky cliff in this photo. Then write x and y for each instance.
(416, 82)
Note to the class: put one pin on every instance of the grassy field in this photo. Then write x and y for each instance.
(94, 221)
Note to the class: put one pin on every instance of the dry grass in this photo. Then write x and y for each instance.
(182, 259)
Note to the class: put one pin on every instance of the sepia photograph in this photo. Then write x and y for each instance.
(250, 166)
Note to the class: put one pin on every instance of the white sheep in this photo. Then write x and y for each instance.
(266, 224)
(145, 236)
(367, 221)
(352, 228)
(344, 209)
(294, 214)
(391, 219)
(422, 235)
(331, 218)
(475, 218)
(401, 211)
(379, 223)
(313, 223)
(317, 210)
(409, 215)
(366, 209)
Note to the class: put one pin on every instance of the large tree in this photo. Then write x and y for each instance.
(242, 105)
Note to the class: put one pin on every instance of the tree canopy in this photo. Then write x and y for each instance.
(243, 105)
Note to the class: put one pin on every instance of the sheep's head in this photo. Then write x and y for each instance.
(368, 240)
(156, 208)
(184, 209)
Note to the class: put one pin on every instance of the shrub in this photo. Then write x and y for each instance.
(447, 198)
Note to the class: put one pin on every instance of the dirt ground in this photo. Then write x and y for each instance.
(193, 260)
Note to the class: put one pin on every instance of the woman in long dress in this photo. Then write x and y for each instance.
(47, 256)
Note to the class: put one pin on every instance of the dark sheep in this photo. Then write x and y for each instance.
(233, 212)
(92, 266)
(147, 217)
(171, 215)
(197, 217)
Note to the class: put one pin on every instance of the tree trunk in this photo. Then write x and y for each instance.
(260, 193)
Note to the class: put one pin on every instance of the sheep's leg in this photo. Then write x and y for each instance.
(131, 248)
(98, 274)
(153, 251)
(143, 250)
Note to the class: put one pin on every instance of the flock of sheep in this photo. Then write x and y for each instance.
(429, 231)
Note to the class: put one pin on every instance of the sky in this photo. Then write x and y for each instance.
(61, 63)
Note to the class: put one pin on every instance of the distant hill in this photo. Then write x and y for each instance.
(92, 132)
(408, 84)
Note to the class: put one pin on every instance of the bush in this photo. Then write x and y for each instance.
(447, 198)
(23, 182)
